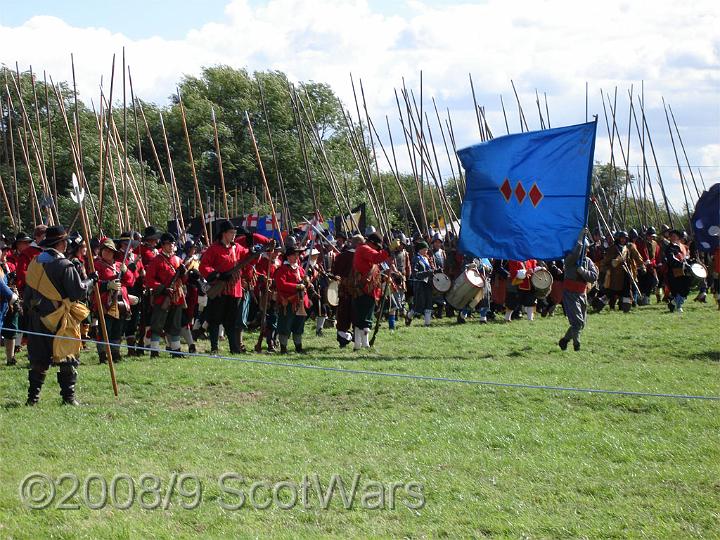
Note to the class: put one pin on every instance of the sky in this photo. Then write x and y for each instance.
(552, 47)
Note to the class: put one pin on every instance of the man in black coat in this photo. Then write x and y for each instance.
(57, 277)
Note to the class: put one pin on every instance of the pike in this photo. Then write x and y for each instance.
(192, 168)
(50, 138)
(107, 140)
(75, 146)
(683, 149)
(24, 151)
(657, 167)
(220, 167)
(413, 166)
(173, 190)
(677, 161)
(520, 110)
(475, 106)
(275, 226)
(280, 182)
(447, 151)
(12, 151)
(502, 104)
(139, 145)
(646, 172)
(78, 196)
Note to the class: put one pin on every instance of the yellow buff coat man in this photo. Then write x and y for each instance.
(52, 300)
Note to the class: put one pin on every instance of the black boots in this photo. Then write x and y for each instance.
(563, 343)
(35, 380)
(131, 345)
(67, 378)
(176, 353)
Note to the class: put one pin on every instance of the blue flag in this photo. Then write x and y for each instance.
(527, 194)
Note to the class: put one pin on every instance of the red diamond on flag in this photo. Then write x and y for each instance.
(520, 192)
(506, 190)
(535, 195)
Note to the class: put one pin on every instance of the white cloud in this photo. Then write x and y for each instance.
(554, 46)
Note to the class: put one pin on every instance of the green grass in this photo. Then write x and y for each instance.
(493, 461)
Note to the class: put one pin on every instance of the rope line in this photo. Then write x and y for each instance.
(394, 375)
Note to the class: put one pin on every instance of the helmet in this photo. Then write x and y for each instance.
(633, 234)
(621, 234)
(650, 230)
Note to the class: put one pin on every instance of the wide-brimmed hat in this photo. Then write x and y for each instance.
(222, 227)
(151, 233)
(21, 236)
(107, 243)
(166, 237)
(290, 250)
(53, 235)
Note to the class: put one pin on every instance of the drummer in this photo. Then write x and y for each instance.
(421, 282)
(519, 289)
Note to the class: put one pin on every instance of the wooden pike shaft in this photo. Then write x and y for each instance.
(192, 168)
(220, 166)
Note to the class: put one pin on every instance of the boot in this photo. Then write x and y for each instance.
(11, 361)
(299, 348)
(67, 378)
(130, 345)
(563, 343)
(102, 357)
(283, 349)
(270, 345)
(192, 349)
(35, 382)
(156, 354)
(576, 345)
(176, 353)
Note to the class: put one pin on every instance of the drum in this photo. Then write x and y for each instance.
(441, 283)
(331, 294)
(541, 282)
(466, 287)
(698, 273)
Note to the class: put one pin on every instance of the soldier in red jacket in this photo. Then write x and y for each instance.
(519, 291)
(216, 264)
(114, 297)
(292, 299)
(165, 278)
(367, 284)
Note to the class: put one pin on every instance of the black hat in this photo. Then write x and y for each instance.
(22, 236)
(621, 234)
(188, 245)
(127, 236)
(166, 237)
(633, 234)
(650, 230)
(222, 227)
(290, 250)
(340, 234)
(151, 233)
(53, 236)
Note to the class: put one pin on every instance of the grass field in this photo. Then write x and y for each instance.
(492, 461)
